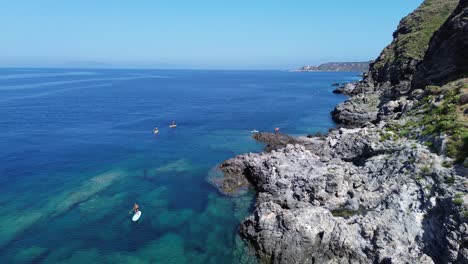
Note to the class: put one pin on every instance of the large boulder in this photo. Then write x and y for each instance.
(358, 110)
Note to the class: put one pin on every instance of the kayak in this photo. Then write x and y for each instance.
(173, 126)
(136, 216)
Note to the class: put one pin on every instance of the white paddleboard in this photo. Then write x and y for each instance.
(136, 216)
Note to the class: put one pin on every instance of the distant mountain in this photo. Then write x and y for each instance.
(337, 67)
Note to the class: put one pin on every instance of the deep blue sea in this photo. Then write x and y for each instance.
(77, 150)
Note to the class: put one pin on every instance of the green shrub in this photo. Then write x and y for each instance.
(450, 180)
(458, 201)
(404, 132)
(345, 213)
(429, 144)
(465, 214)
(446, 164)
(385, 136)
(443, 119)
(425, 169)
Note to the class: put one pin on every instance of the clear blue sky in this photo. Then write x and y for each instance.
(196, 33)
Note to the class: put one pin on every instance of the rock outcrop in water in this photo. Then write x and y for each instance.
(346, 89)
(350, 197)
(395, 188)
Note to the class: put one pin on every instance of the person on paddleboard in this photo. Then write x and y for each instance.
(136, 208)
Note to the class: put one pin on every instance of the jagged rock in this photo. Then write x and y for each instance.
(365, 204)
(463, 99)
(357, 110)
(394, 109)
(231, 184)
(275, 140)
(440, 144)
(390, 107)
(417, 94)
(346, 89)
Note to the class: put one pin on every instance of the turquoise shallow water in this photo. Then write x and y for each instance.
(77, 151)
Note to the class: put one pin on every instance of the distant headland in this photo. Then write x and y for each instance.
(336, 67)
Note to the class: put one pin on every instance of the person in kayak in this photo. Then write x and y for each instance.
(136, 208)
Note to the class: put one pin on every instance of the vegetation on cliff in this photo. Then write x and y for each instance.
(419, 80)
(440, 120)
(446, 58)
(397, 61)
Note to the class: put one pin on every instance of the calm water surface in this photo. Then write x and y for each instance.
(77, 150)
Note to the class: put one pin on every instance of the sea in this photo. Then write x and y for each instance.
(77, 150)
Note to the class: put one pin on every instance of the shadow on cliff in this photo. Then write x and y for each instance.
(434, 238)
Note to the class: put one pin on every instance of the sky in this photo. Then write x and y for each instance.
(195, 34)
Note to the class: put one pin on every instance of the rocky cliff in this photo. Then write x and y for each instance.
(393, 70)
(392, 190)
(447, 56)
(391, 75)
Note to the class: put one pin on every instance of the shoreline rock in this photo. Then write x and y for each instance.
(368, 193)
(346, 89)
(348, 197)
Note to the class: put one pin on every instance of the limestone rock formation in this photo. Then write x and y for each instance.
(351, 198)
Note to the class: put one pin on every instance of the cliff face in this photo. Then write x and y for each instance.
(391, 75)
(447, 57)
(446, 60)
(389, 191)
(393, 70)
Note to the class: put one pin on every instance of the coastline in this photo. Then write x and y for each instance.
(380, 190)
(341, 197)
